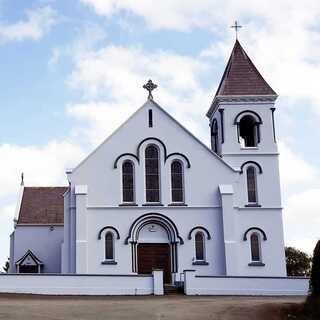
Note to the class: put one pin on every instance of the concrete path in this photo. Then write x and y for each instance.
(143, 308)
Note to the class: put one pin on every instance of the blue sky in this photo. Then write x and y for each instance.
(72, 71)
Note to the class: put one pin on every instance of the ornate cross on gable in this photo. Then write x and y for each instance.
(150, 86)
(236, 26)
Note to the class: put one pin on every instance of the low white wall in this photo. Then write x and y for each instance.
(264, 286)
(78, 284)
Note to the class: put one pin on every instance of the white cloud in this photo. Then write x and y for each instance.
(283, 42)
(6, 223)
(302, 219)
(296, 171)
(178, 15)
(37, 23)
(122, 71)
(111, 80)
(87, 38)
(301, 191)
(187, 14)
(42, 166)
(98, 119)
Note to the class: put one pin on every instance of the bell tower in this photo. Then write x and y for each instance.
(242, 128)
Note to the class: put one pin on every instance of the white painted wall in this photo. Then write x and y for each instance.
(79, 284)
(246, 286)
(98, 206)
(42, 241)
(104, 182)
(231, 145)
(268, 217)
(266, 154)
(272, 250)
(184, 218)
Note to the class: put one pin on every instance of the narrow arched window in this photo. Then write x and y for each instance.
(177, 191)
(252, 184)
(255, 247)
(109, 246)
(152, 174)
(248, 131)
(214, 136)
(199, 243)
(127, 181)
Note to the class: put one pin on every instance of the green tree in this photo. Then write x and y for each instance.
(311, 310)
(7, 265)
(298, 262)
(315, 272)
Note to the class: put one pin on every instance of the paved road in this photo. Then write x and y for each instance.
(143, 308)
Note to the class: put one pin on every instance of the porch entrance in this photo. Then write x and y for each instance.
(28, 269)
(154, 256)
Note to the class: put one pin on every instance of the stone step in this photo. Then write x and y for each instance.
(172, 290)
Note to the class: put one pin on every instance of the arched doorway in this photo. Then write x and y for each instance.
(153, 250)
(154, 240)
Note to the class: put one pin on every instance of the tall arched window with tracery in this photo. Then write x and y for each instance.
(109, 246)
(255, 247)
(199, 246)
(152, 172)
(128, 193)
(252, 184)
(177, 183)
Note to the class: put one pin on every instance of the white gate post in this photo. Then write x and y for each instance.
(157, 282)
(189, 282)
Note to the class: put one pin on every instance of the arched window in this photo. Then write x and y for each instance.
(248, 131)
(109, 246)
(252, 184)
(255, 247)
(177, 190)
(214, 136)
(152, 174)
(127, 181)
(199, 243)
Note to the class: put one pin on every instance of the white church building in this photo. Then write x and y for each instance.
(153, 196)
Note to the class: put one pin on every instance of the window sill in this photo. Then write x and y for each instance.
(253, 205)
(177, 204)
(128, 204)
(151, 204)
(200, 263)
(256, 264)
(109, 262)
(249, 148)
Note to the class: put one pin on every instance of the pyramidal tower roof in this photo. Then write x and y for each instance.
(241, 77)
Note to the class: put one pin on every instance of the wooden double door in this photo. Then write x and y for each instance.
(154, 256)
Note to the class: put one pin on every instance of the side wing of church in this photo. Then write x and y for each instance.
(152, 196)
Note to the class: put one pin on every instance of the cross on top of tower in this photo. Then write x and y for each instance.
(150, 86)
(236, 26)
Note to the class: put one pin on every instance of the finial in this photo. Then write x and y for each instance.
(22, 179)
(150, 86)
(236, 26)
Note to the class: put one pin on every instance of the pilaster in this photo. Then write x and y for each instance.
(81, 229)
(229, 229)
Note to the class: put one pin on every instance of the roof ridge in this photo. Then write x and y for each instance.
(45, 187)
